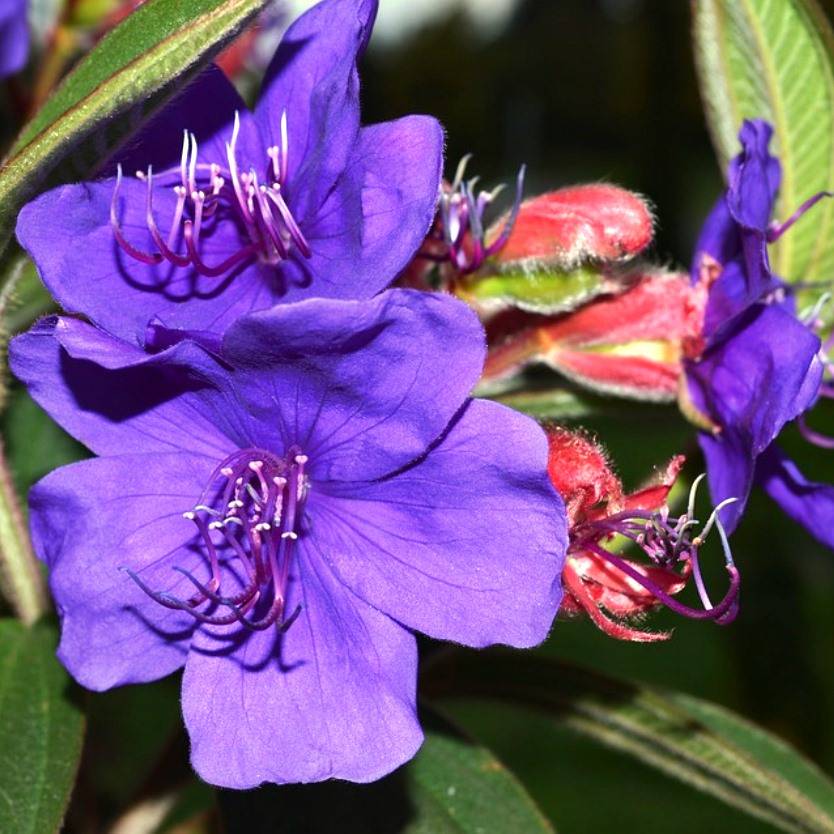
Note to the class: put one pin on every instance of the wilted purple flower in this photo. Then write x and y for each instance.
(287, 518)
(14, 36)
(214, 212)
(762, 365)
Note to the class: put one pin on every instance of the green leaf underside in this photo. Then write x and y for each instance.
(540, 292)
(774, 59)
(41, 731)
(702, 745)
(452, 786)
(130, 69)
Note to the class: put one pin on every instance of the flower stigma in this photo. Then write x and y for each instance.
(210, 193)
(249, 520)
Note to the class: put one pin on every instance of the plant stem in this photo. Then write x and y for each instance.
(21, 580)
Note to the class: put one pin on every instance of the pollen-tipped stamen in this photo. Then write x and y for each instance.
(258, 511)
(222, 193)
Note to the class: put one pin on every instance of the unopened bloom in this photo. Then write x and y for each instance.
(762, 365)
(278, 523)
(613, 590)
(212, 212)
(14, 36)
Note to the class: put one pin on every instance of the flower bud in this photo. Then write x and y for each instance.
(629, 345)
(575, 225)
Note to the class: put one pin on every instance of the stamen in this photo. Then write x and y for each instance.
(461, 221)
(259, 527)
(224, 193)
(668, 543)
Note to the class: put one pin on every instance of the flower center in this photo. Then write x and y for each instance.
(210, 193)
(249, 520)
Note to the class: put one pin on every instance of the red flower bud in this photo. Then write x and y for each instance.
(561, 229)
(628, 345)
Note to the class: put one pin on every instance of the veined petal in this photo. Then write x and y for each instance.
(205, 107)
(334, 697)
(68, 233)
(313, 78)
(806, 502)
(92, 518)
(465, 545)
(114, 398)
(763, 373)
(376, 217)
(363, 388)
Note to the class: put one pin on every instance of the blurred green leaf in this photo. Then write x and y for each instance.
(35, 443)
(546, 397)
(41, 731)
(23, 297)
(547, 293)
(704, 746)
(774, 59)
(452, 786)
(160, 41)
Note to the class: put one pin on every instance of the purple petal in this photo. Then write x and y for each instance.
(14, 37)
(466, 545)
(718, 238)
(333, 698)
(113, 397)
(67, 232)
(88, 521)
(762, 375)
(807, 503)
(376, 217)
(754, 177)
(362, 387)
(735, 232)
(730, 466)
(313, 78)
(205, 107)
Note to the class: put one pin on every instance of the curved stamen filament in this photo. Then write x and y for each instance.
(257, 513)
(222, 193)
(461, 214)
(667, 542)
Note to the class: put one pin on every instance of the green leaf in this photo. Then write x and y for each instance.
(41, 730)
(452, 786)
(160, 41)
(773, 59)
(702, 745)
(539, 292)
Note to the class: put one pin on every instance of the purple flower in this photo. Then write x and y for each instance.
(762, 366)
(214, 212)
(14, 36)
(286, 518)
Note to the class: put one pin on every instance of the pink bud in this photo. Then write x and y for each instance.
(564, 228)
(630, 344)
